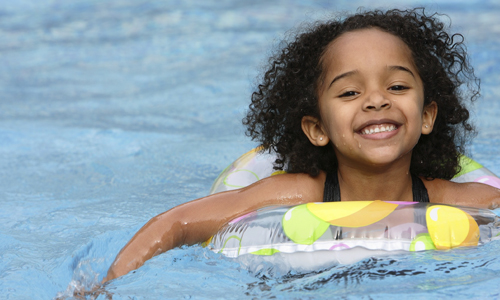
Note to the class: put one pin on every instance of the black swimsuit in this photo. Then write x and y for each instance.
(332, 189)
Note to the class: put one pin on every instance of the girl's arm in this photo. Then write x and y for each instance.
(198, 220)
(465, 194)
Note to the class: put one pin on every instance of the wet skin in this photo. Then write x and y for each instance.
(371, 84)
(372, 111)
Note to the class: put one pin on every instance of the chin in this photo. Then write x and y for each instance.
(383, 160)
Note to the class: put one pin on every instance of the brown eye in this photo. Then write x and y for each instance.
(398, 88)
(348, 94)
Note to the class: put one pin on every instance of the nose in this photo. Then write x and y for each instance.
(376, 101)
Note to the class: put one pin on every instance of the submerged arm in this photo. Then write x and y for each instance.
(198, 220)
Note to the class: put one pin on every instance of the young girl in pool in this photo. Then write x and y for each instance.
(363, 108)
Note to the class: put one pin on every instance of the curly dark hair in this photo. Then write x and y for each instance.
(289, 91)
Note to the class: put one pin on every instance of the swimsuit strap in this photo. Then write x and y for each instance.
(332, 189)
(419, 190)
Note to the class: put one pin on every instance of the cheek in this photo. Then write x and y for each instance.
(418, 116)
(416, 127)
(337, 120)
(334, 123)
(414, 112)
(338, 130)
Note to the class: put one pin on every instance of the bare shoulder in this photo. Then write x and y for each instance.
(285, 189)
(292, 188)
(466, 194)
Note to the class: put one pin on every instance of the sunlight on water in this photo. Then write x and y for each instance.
(112, 112)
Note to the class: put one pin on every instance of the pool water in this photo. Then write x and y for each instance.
(112, 112)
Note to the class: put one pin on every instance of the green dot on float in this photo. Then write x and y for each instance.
(422, 242)
(301, 226)
(266, 251)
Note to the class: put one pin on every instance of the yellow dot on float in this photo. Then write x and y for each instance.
(352, 213)
(450, 227)
(336, 210)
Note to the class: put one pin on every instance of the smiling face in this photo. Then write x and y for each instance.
(371, 100)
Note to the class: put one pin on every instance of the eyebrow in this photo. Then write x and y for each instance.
(395, 68)
(342, 76)
(401, 68)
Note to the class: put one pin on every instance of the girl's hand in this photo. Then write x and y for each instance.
(196, 221)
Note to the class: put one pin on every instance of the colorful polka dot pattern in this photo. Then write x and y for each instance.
(448, 227)
(451, 227)
(374, 225)
(344, 225)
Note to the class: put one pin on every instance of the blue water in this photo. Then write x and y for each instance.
(114, 111)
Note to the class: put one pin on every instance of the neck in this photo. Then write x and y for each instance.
(391, 183)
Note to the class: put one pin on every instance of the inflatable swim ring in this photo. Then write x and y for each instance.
(308, 236)
(256, 164)
(345, 232)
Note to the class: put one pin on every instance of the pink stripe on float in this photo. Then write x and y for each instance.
(344, 246)
(401, 202)
(239, 218)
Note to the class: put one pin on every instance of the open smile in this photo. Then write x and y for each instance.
(379, 129)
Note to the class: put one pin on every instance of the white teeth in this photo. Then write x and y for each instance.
(379, 129)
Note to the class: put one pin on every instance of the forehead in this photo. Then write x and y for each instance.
(365, 48)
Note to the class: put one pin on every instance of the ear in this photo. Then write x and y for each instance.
(429, 117)
(314, 132)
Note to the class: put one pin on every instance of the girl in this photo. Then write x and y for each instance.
(364, 108)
